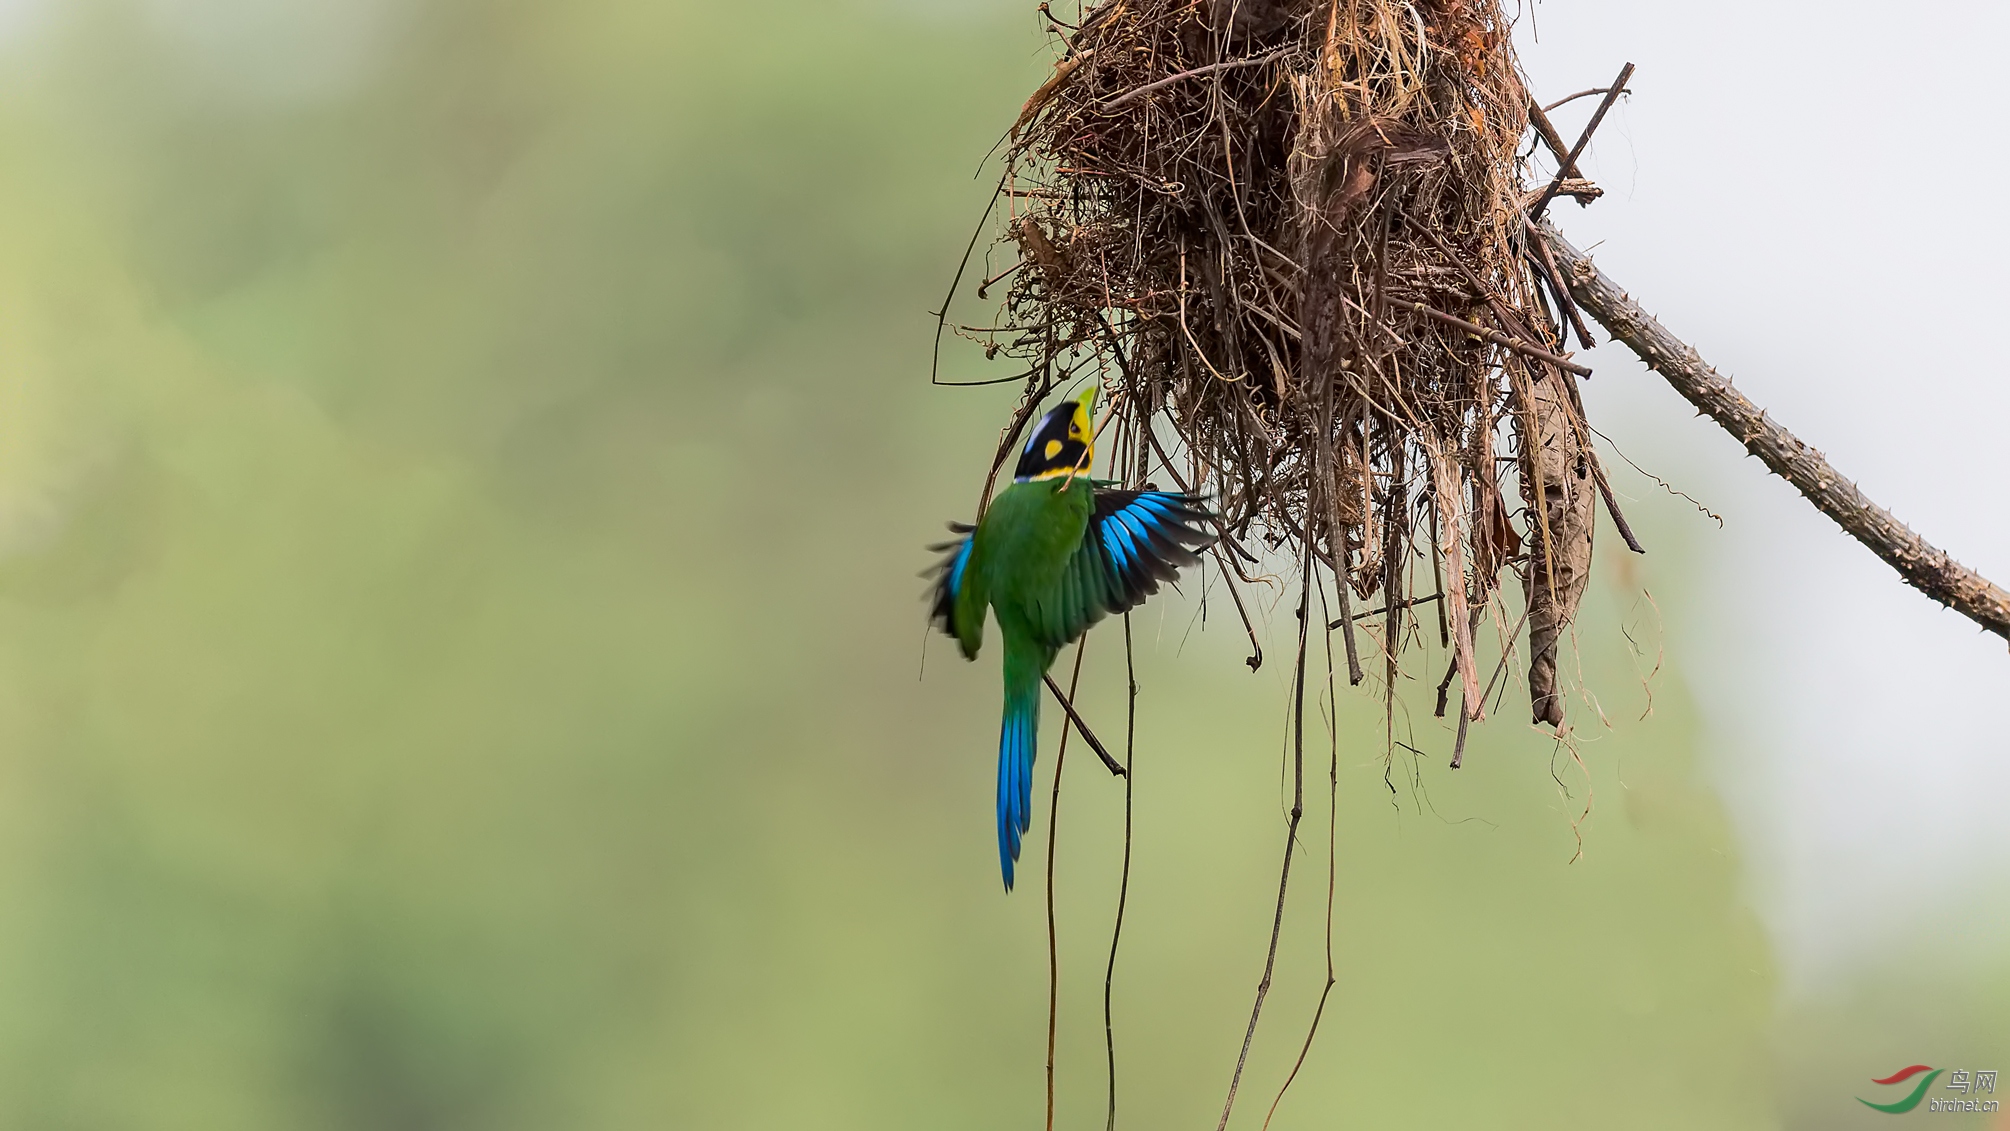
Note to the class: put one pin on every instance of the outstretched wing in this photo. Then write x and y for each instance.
(1135, 539)
(956, 599)
(1143, 537)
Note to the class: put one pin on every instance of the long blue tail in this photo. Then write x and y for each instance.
(1018, 742)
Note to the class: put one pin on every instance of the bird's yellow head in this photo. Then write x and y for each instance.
(1063, 444)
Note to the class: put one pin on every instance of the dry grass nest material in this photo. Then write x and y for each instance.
(1294, 238)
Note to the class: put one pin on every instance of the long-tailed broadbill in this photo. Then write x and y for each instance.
(1054, 553)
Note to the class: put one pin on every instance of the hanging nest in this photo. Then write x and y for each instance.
(1295, 240)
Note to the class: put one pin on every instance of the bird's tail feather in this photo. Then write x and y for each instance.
(1017, 743)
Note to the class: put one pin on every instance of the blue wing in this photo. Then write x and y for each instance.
(1134, 540)
(951, 575)
(1143, 537)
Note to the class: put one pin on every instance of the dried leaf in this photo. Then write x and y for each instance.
(1063, 71)
(1558, 487)
(1451, 536)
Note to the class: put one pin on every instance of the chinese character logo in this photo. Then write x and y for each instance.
(1900, 1107)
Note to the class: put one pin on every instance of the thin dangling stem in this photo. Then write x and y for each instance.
(1053, 824)
(1332, 861)
(1124, 880)
(1290, 832)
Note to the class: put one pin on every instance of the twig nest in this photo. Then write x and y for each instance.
(1264, 225)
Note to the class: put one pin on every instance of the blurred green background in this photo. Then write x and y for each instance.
(462, 473)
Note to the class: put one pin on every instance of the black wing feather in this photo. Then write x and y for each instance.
(1135, 540)
(1147, 536)
(947, 577)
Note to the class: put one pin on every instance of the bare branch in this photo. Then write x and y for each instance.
(1924, 566)
(1569, 98)
(1570, 159)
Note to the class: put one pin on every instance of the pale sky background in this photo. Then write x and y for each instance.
(1812, 195)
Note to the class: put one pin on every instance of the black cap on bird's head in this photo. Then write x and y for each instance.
(1062, 444)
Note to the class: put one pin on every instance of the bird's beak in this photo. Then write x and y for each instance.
(1085, 419)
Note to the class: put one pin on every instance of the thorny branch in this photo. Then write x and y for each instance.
(1924, 566)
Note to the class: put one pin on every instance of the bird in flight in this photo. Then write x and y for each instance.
(1054, 553)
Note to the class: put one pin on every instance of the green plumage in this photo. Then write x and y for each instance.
(1022, 564)
(1020, 559)
(1054, 553)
